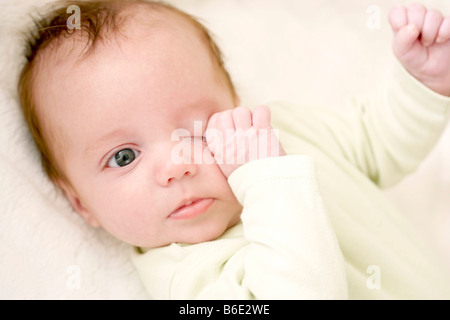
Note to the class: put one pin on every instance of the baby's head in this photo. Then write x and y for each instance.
(102, 103)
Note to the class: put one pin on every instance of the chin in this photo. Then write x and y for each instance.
(207, 233)
(207, 236)
(210, 233)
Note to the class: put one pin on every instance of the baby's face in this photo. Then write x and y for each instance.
(114, 114)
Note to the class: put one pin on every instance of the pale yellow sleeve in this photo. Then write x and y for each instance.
(293, 252)
(385, 135)
(388, 134)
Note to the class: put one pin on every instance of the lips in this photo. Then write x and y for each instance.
(191, 208)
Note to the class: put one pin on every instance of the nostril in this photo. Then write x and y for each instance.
(178, 177)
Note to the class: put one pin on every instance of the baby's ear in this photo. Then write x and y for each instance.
(76, 203)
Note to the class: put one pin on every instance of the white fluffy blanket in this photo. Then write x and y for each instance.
(317, 52)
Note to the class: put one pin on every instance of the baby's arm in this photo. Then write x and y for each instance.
(388, 134)
(292, 251)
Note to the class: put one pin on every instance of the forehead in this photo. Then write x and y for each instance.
(143, 46)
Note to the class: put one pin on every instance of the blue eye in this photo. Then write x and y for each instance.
(123, 158)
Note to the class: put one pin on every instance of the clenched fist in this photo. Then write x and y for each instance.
(422, 45)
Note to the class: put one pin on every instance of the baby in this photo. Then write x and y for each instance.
(139, 124)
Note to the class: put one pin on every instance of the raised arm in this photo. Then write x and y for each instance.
(386, 135)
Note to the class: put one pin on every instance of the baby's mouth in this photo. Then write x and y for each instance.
(191, 208)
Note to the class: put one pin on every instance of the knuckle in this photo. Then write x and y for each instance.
(264, 108)
(445, 28)
(223, 116)
(240, 111)
(237, 111)
(418, 7)
(211, 122)
(434, 15)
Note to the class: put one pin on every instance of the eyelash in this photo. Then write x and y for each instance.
(203, 138)
(111, 158)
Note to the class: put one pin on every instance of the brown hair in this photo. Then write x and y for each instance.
(98, 18)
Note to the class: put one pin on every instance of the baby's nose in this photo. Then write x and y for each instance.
(176, 172)
(179, 176)
(175, 168)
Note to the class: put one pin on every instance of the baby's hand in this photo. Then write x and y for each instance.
(239, 136)
(422, 44)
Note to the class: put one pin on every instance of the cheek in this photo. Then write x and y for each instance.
(131, 219)
(219, 183)
(123, 210)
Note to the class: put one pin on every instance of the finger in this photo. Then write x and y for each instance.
(224, 120)
(398, 18)
(405, 39)
(261, 117)
(444, 31)
(215, 132)
(212, 121)
(214, 136)
(210, 132)
(242, 118)
(431, 25)
(416, 14)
